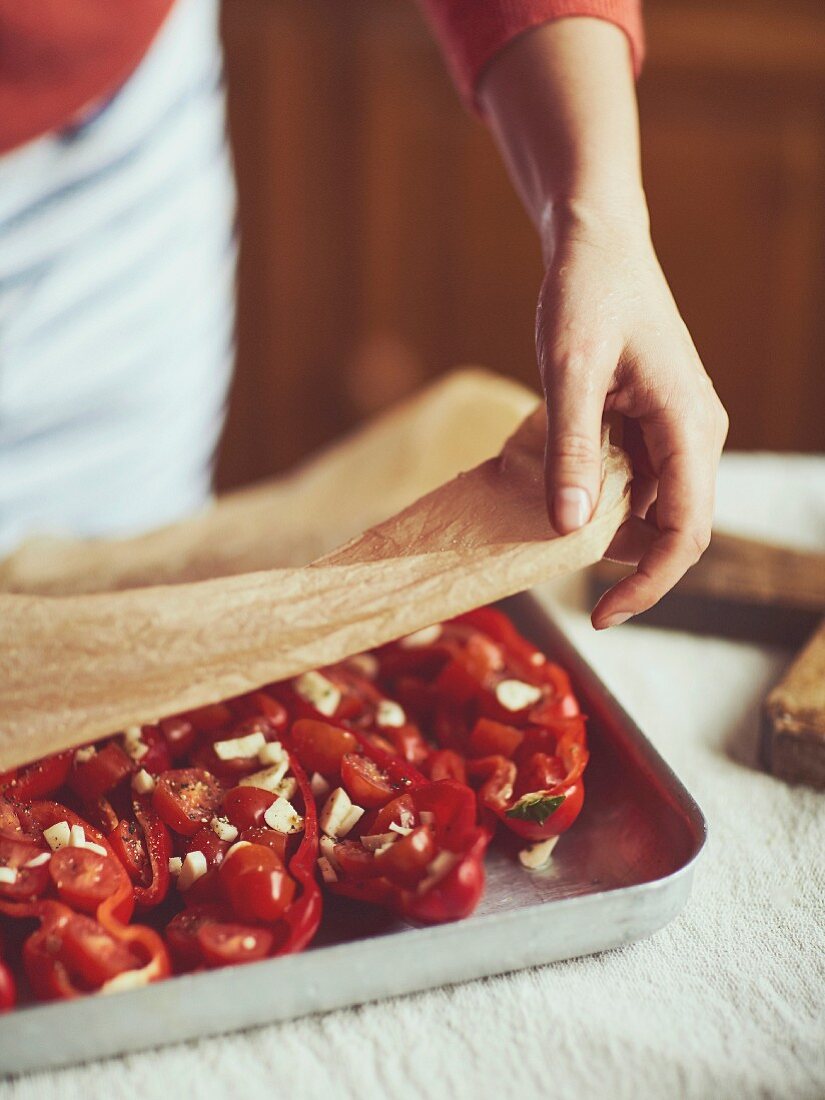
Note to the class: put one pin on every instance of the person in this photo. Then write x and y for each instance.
(117, 262)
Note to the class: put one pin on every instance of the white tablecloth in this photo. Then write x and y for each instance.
(728, 1001)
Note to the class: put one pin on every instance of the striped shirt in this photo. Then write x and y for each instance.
(117, 264)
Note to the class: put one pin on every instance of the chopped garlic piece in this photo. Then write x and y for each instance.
(235, 847)
(339, 815)
(194, 867)
(77, 837)
(327, 846)
(287, 788)
(239, 747)
(8, 876)
(223, 829)
(283, 817)
(364, 663)
(38, 860)
(143, 782)
(92, 847)
(402, 830)
(428, 635)
(538, 855)
(175, 864)
(268, 779)
(318, 785)
(390, 715)
(58, 836)
(127, 979)
(82, 756)
(133, 744)
(437, 869)
(407, 817)
(327, 870)
(272, 752)
(315, 689)
(351, 820)
(516, 695)
(378, 841)
(538, 659)
(248, 943)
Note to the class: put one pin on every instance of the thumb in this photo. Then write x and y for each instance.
(573, 454)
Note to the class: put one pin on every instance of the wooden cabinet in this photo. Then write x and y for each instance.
(382, 243)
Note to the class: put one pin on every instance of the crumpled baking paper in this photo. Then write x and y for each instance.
(100, 635)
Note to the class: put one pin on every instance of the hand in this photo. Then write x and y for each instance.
(609, 338)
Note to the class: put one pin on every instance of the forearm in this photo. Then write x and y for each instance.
(561, 103)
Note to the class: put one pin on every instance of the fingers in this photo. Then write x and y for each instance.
(573, 456)
(684, 513)
(632, 541)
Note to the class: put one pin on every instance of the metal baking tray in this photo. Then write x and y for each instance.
(622, 872)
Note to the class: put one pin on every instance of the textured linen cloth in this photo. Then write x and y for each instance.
(727, 1001)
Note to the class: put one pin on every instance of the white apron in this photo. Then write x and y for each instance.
(117, 261)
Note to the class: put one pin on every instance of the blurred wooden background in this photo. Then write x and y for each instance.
(382, 244)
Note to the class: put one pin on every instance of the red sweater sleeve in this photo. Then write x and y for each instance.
(471, 32)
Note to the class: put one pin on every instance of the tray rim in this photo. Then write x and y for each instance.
(46, 1017)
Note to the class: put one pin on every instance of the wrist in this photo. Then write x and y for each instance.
(595, 213)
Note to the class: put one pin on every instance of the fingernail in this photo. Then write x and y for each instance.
(572, 508)
(616, 620)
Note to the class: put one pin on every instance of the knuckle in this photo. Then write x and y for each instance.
(573, 448)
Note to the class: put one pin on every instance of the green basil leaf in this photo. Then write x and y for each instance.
(536, 807)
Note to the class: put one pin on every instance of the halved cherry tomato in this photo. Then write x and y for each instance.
(182, 933)
(400, 810)
(186, 798)
(256, 883)
(83, 878)
(405, 861)
(245, 806)
(365, 783)
(320, 746)
(47, 975)
(100, 773)
(270, 838)
(354, 861)
(31, 882)
(206, 840)
(91, 953)
(206, 889)
(225, 944)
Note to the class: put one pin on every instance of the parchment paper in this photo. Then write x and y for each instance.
(74, 667)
